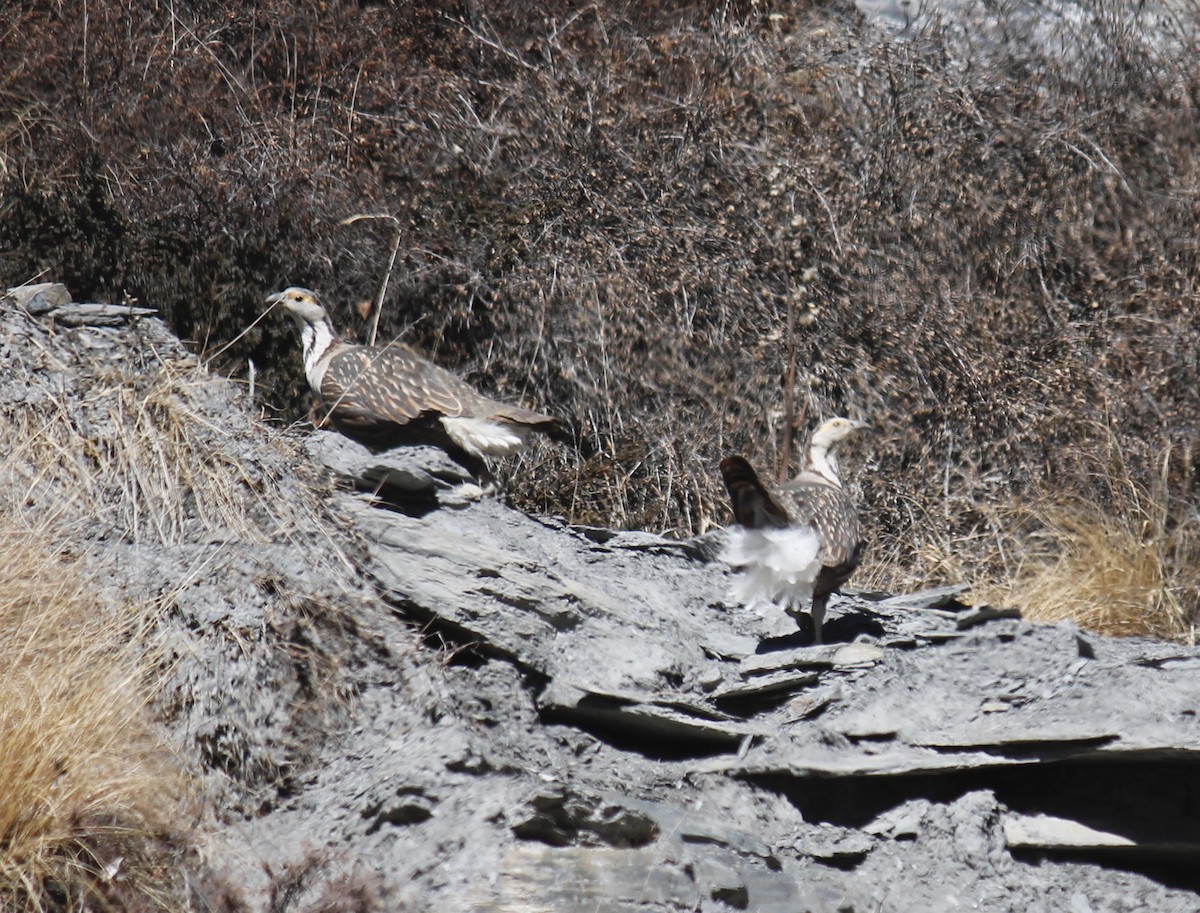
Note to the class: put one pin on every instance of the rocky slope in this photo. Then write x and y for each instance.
(400, 697)
(981, 223)
(613, 736)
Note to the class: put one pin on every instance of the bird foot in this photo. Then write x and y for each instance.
(466, 493)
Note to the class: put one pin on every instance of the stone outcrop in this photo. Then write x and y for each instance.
(400, 695)
(634, 741)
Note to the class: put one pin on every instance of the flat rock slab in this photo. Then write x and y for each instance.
(1013, 694)
(633, 640)
(579, 612)
(398, 696)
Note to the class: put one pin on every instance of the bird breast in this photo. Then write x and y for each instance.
(830, 513)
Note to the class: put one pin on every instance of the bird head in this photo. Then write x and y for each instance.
(317, 335)
(302, 304)
(835, 430)
(830, 433)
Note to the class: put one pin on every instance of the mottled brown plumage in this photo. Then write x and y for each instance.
(799, 539)
(386, 396)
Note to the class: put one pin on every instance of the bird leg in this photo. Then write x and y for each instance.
(818, 614)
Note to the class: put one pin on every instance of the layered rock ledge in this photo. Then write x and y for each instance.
(399, 695)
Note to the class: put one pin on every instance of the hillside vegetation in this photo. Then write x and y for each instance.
(91, 806)
(983, 239)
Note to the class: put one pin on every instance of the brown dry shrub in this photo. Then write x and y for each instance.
(609, 210)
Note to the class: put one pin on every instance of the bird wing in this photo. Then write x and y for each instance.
(397, 385)
(832, 515)
(755, 506)
(393, 384)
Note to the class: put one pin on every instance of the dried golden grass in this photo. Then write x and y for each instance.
(1120, 559)
(1122, 562)
(89, 798)
(1116, 574)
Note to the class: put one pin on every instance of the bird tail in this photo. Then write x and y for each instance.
(481, 437)
(753, 505)
(548, 425)
(778, 566)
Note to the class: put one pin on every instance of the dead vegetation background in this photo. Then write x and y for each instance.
(986, 237)
(149, 527)
(92, 806)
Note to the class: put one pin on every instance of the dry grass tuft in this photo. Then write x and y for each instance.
(90, 801)
(1115, 575)
(147, 468)
(133, 448)
(1126, 563)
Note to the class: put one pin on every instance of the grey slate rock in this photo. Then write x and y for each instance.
(38, 298)
(97, 315)
(471, 709)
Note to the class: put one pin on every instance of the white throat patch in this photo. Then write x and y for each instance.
(824, 464)
(316, 338)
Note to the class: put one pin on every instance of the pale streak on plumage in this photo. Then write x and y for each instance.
(384, 396)
(799, 541)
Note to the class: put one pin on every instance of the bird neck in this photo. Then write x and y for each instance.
(822, 462)
(318, 340)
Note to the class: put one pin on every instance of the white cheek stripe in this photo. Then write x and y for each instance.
(821, 461)
(317, 339)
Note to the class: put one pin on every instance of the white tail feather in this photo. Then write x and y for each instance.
(779, 566)
(483, 437)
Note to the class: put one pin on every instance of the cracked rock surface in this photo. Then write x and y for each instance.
(585, 723)
(402, 696)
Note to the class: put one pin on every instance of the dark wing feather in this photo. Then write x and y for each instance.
(754, 505)
(519, 415)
